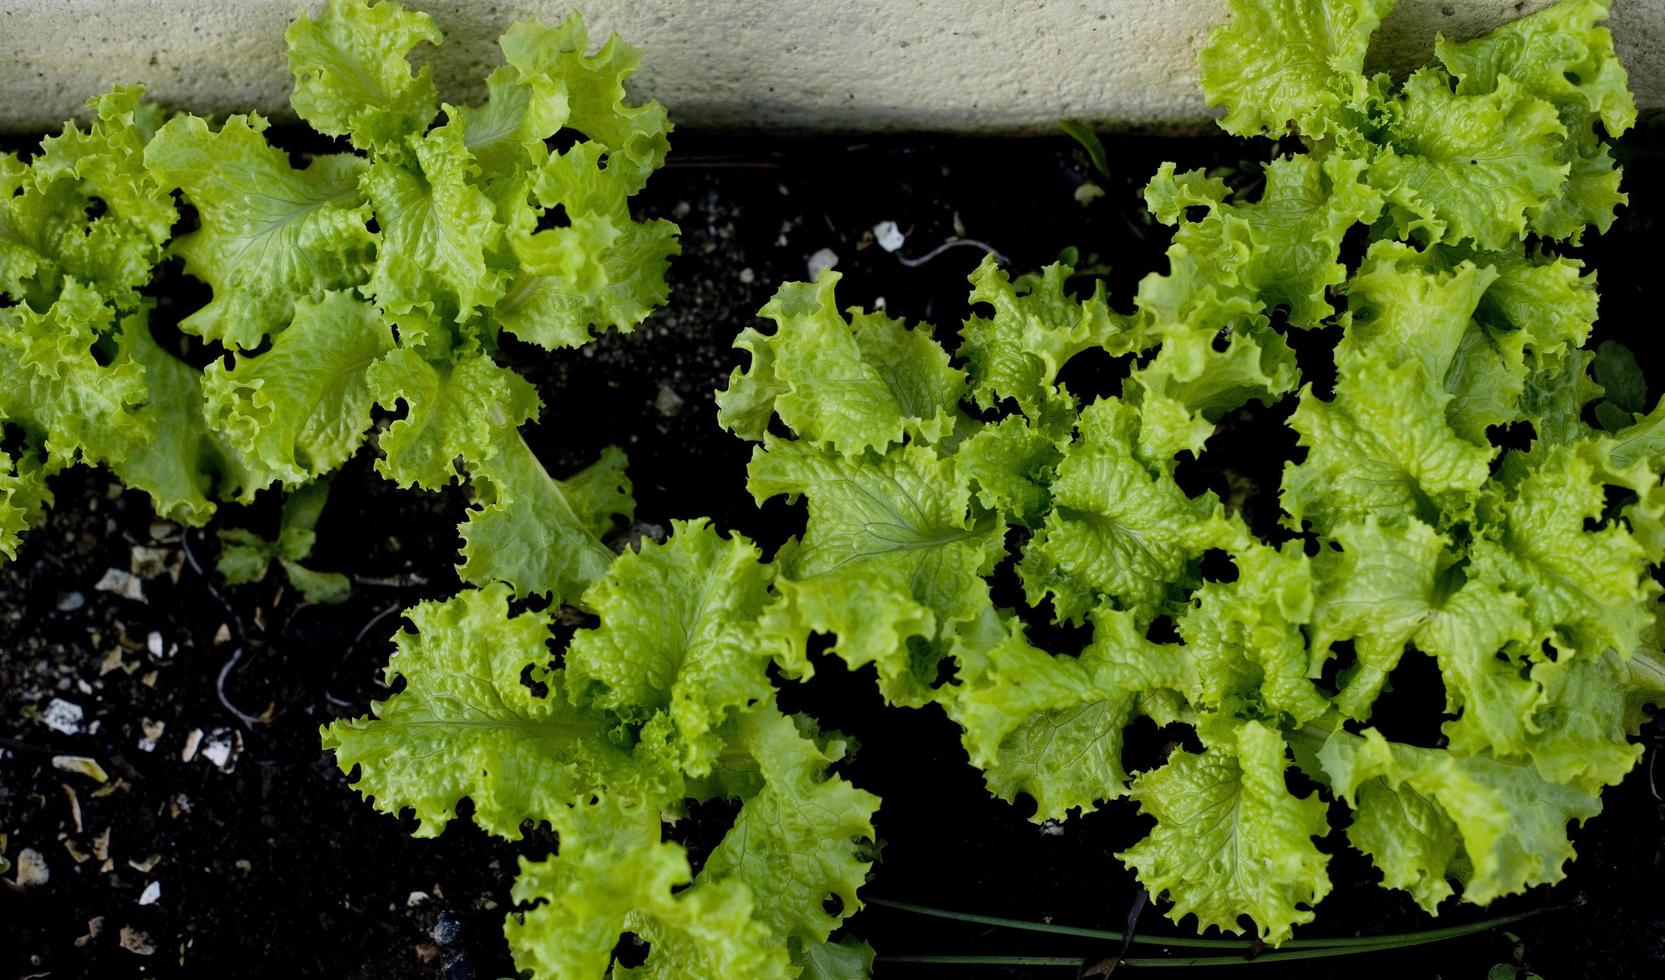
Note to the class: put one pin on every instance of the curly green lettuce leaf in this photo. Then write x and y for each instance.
(1117, 530)
(1284, 245)
(678, 635)
(185, 464)
(1399, 584)
(1050, 727)
(353, 74)
(1439, 311)
(614, 875)
(861, 383)
(1230, 840)
(1382, 446)
(86, 208)
(1200, 374)
(1561, 56)
(269, 234)
(1543, 296)
(53, 386)
(891, 555)
(454, 408)
(24, 497)
(1245, 637)
(1428, 815)
(1468, 168)
(1036, 328)
(1583, 577)
(601, 268)
(1578, 734)
(847, 959)
(1011, 463)
(1278, 62)
(538, 534)
(302, 408)
(636, 136)
(800, 840)
(466, 724)
(436, 231)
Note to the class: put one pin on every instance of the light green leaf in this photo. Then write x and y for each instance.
(1117, 530)
(302, 408)
(678, 634)
(53, 386)
(1278, 62)
(636, 136)
(466, 725)
(453, 408)
(856, 384)
(1011, 464)
(436, 230)
(1425, 815)
(603, 269)
(1468, 167)
(1590, 585)
(85, 208)
(613, 875)
(353, 76)
(269, 234)
(1230, 840)
(1246, 640)
(184, 464)
(24, 497)
(799, 841)
(1051, 726)
(1036, 328)
(537, 533)
(890, 552)
(1381, 447)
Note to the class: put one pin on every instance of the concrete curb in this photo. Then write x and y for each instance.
(944, 65)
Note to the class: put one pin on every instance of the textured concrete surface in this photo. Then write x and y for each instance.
(783, 64)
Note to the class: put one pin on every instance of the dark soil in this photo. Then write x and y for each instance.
(270, 866)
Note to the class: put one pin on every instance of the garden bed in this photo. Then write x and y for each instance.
(268, 863)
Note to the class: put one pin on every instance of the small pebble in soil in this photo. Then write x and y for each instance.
(125, 584)
(669, 402)
(70, 601)
(136, 942)
(31, 868)
(889, 237)
(152, 894)
(446, 930)
(222, 747)
(747, 276)
(62, 716)
(159, 648)
(823, 259)
(147, 562)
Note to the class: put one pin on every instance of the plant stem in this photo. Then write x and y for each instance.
(1339, 944)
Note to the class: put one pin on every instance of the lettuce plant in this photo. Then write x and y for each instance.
(667, 701)
(381, 275)
(1447, 500)
(1417, 522)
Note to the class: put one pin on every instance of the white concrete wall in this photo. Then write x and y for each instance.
(793, 64)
